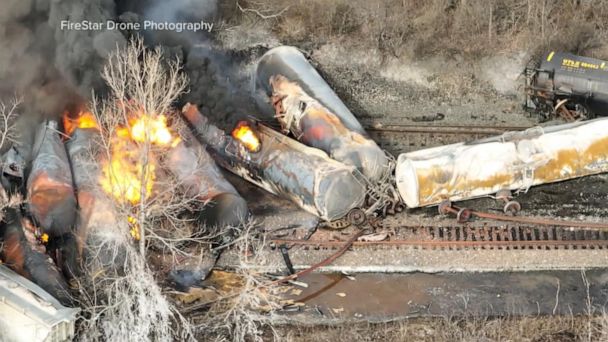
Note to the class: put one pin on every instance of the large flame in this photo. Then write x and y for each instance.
(246, 135)
(83, 120)
(124, 176)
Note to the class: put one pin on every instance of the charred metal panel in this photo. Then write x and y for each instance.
(307, 107)
(284, 167)
(100, 239)
(291, 63)
(514, 160)
(50, 192)
(83, 154)
(21, 255)
(200, 177)
(13, 170)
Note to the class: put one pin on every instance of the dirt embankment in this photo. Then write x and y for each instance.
(403, 60)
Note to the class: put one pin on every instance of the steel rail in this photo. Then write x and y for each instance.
(455, 129)
(428, 244)
(523, 219)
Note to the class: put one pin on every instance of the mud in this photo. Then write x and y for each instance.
(382, 297)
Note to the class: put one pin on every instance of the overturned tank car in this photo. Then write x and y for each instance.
(200, 178)
(568, 86)
(512, 161)
(283, 166)
(308, 108)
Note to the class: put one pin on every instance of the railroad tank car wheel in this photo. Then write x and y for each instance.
(464, 215)
(356, 217)
(389, 208)
(444, 206)
(512, 207)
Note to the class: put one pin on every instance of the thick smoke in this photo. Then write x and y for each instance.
(176, 11)
(49, 67)
(55, 69)
(219, 79)
(79, 55)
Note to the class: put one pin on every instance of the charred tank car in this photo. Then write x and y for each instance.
(568, 86)
(311, 111)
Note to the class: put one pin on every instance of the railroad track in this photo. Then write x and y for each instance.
(509, 237)
(397, 138)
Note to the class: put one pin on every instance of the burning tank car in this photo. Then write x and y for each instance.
(568, 86)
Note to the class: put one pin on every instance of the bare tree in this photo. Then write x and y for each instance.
(243, 314)
(119, 293)
(8, 134)
(8, 118)
(127, 300)
(142, 83)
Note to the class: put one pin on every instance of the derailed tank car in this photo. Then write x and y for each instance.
(201, 178)
(307, 107)
(566, 85)
(284, 167)
(512, 161)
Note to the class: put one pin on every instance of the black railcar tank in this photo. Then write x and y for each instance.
(563, 84)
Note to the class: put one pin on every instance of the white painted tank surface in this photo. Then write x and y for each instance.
(514, 161)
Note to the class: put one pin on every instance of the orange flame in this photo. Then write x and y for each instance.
(246, 135)
(152, 128)
(83, 120)
(123, 176)
(133, 227)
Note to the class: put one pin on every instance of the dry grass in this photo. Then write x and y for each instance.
(246, 313)
(436, 27)
(559, 328)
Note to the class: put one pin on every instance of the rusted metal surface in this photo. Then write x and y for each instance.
(285, 167)
(463, 215)
(512, 161)
(22, 254)
(473, 237)
(200, 178)
(307, 107)
(289, 62)
(50, 192)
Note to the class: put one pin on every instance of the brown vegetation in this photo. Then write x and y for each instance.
(436, 27)
(537, 329)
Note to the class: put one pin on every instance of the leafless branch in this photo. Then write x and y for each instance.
(8, 116)
(259, 12)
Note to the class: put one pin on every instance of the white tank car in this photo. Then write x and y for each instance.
(28, 313)
(512, 161)
(306, 106)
